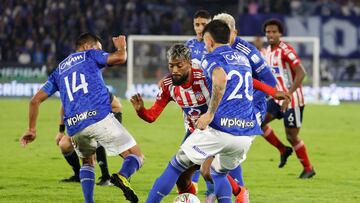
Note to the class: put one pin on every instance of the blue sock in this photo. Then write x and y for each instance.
(236, 174)
(196, 176)
(222, 187)
(165, 182)
(131, 164)
(209, 188)
(87, 179)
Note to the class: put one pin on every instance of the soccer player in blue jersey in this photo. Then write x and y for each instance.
(68, 151)
(227, 129)
(87, 112)
(197, 45)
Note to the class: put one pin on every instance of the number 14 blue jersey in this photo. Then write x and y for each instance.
(235, 113)
(83, 93)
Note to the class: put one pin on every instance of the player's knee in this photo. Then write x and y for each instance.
(65, 145)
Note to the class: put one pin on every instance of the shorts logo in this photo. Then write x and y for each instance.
(230, 122)
(79, 117)
(197, 149)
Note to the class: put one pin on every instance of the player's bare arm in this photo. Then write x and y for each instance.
(30, 133)
(120, 55)
(218, 90)
(299, 77)
(61, 132)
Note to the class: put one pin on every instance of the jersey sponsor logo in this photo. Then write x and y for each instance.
(230, 122)
(71, 61)
(235, 58)
(80, 117)
(255, 58)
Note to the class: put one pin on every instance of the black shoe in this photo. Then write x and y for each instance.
(307, 174)
(71, 179)
(283, 157)
(122, 183)
(104, 181)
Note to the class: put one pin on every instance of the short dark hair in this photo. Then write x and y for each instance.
(85, 38)
(275, 22)
(218, 30)
(202, 14)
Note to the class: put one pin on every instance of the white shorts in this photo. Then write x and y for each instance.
(108, 132)
(229, 150)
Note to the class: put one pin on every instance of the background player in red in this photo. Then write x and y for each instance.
(290, 73)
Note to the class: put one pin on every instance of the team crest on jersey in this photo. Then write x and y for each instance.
(71, 61)
(199, 96)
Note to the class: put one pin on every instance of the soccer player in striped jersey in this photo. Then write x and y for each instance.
(197, 45)
(187, 87)
(289, 71)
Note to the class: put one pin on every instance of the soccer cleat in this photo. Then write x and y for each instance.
(243, 196)
(284, 156)
(71, 179)
(104, 181)
(210, 198)
(307, 174)
(122, 183)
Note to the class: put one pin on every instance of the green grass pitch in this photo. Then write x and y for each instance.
(331, 135)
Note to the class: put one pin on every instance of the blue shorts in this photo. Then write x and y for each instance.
(292, 117)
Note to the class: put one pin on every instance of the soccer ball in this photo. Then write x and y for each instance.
(186, 198)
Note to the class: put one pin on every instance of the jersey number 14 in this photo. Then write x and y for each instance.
(70, 90)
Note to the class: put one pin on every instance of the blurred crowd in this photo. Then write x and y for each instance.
(43, 31)
(302, 7)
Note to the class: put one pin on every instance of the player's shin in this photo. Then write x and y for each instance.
(73, 161)
(222, 187)
(101, 159)
(236, 174)
(165, 182)
(131, 164)
(87, 179)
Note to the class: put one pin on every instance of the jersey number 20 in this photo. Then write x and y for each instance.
(234, 94)
(83, 85)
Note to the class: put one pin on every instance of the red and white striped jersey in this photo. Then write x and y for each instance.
(192, 97)
(283, 60)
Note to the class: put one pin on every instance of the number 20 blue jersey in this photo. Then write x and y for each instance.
(83, 93)
(235, 113)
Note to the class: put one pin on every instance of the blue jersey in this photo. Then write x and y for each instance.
(83, 93)
(198, 50)
(260, 70)
(235, 113)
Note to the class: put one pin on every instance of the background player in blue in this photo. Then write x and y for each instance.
(226, 130)
(197, 45)
(87, 112)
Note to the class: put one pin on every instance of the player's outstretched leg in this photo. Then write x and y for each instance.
(285, 151)
(87, 178)
(133, 160)
(222, 187)
(71, 157)
(165, 182)
(102, 161)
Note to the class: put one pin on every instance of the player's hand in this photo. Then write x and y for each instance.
(137, 102)
(285, 105)
(119, 42)
(280, 95)
(204, 121)
(28, 137)
(58, 137)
